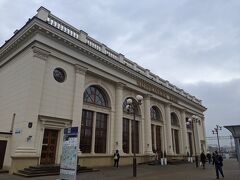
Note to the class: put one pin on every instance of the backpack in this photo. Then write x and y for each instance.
(115, 156)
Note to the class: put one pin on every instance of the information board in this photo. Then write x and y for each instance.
(68, 167)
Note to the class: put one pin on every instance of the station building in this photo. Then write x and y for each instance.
(54, 76)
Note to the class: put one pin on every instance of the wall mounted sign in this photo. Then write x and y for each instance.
(147, 86)
(18, 131)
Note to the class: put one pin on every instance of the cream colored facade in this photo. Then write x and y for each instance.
(30, 94)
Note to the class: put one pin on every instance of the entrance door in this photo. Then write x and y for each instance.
(49, 146)
(3, 145)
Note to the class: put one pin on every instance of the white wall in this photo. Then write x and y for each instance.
(57, 98)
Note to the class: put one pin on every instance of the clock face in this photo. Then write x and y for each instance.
(59, 75)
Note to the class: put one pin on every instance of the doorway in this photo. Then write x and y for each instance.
(49, 146)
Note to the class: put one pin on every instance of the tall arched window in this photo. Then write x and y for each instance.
(135, 104)
(95, 95)
(174, 119)
(94, 124)
(131, 128)
(175, 133)
(156, 128)
(155, 113)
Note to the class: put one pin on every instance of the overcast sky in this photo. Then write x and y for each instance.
(195, 44)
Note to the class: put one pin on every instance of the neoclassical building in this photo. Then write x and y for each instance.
(54, 76)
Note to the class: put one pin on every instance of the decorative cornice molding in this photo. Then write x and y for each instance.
(147, 96)
(40, 53)
(80, 69)
(120, 85)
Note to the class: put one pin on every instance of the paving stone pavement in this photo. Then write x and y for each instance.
(231, 170)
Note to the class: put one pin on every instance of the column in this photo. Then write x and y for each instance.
(197, 140)
(168, 130)
(204, 133)
(164, 136)
(185, 147)
(28, 145)
(147, 122)
(78, 98)
(119, 118)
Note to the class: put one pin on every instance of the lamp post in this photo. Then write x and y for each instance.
(215, 131)
(132, 107)
(195, 119)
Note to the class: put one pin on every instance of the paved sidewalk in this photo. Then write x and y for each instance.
(231, 170)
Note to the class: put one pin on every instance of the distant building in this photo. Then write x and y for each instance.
(53, 76)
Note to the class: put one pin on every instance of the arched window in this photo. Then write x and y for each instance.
(175, 133)
(131, 128)
(95, 95)
(135, 104)
(174, 119)
(156, 129)
(94, 122)
(155, 113)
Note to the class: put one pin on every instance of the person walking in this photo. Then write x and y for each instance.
(209, 157)
(218, 161)
(203, 159)
(116, 158)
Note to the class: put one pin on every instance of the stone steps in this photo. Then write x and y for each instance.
(48, 170)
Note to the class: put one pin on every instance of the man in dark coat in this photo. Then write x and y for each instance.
(209, 157)
(203, 159)
(218, 161)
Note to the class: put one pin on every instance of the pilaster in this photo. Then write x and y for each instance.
(78, 97)
(118, 117)
(147, 120)
(34, 93)
(168, 129)
(185, 147)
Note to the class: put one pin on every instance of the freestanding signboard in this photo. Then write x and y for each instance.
(68, 167)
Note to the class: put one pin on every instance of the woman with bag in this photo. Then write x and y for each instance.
(116, 158)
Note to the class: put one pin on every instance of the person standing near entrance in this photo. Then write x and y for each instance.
(203, 159)
(116, 158)
(218, 161)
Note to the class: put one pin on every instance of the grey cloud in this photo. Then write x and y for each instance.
(222, 101)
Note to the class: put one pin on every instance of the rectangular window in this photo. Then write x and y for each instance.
(135, 137)
(158, 138)
(101, 133)
(153, 147)
(176, 141)
(125, 135)
(86, 131)
(190, 143)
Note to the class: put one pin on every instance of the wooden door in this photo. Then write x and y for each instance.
(49, 146)
(3, 145)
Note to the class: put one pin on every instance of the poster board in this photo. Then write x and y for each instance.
(68, 166)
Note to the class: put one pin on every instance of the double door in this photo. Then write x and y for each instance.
(49, 146)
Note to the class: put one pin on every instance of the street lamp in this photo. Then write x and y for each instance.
(195, 119)
(132, 107)
(215, 131)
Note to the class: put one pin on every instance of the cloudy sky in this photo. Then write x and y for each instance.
(193, 44)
